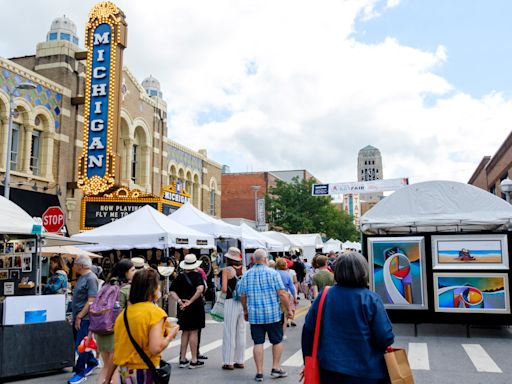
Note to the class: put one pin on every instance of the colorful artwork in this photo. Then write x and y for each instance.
(398, 272)
(471, 292)
(470, 252)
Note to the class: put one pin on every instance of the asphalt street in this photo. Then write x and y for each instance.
(440, 354)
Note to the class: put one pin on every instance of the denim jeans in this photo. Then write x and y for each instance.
(85, 359)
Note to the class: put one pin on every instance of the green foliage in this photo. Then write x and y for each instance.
(292, 208)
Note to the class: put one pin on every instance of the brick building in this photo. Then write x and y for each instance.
(48, 127)
(491, 171)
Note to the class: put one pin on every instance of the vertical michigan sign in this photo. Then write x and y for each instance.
(105, 39)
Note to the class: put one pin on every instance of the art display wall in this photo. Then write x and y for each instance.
(437, 278)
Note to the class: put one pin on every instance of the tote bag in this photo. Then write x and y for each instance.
(311, 368)
(217, 312)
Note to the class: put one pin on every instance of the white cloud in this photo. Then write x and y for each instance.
(313, 95)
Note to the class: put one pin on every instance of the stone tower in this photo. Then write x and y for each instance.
(369, 167)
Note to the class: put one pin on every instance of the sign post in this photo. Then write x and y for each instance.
(53, 219)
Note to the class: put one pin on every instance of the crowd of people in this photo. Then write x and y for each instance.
(264, 294)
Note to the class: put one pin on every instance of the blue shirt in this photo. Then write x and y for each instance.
(287, 281)
(354, 333)
(260, 285)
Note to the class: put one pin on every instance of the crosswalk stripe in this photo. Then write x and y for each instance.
(295, 360)
(480, 359)
(174, 343)
(418, 356)
(204, 349)
(248, 351)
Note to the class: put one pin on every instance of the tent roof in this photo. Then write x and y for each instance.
(269, 243)
(437, 206)
(14, 218)
(144, 228)
(308, 239)
(192, 217)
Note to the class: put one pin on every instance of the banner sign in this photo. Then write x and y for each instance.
(260, 213)
(373, 186)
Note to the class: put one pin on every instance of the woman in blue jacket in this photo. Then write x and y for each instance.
(355, 329)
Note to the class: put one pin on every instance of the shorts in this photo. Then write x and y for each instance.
(273, 330)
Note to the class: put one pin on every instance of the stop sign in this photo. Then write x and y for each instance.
(53, 219)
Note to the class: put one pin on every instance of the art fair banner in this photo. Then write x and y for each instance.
(359, 187)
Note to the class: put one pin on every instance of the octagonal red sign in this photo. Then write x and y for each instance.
(53, 219)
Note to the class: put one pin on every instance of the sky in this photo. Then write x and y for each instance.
(278, 84)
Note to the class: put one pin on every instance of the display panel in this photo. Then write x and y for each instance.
(397, 273)
(470, 252)
(471, 292)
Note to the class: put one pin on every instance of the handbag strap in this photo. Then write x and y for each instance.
(137, 347)
(318, 322)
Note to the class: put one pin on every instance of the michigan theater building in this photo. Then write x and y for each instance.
(89, 137)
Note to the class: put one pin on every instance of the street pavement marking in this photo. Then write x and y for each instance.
(204, 349)
(174, 343)
(480, 359)
(248, 351)
(295, 360)
(418, 356)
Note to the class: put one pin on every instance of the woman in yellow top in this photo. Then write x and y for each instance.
(148, 326)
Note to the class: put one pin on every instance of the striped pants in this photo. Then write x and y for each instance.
(233, 338)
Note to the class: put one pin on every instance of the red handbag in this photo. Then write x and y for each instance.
(311, 367)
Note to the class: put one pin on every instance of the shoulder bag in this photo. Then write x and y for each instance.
(311, 368)
(161, 375)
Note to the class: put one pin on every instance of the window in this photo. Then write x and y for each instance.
(212, 202)
(65, 36)
(75, 40)
(15, 144)
(52, 36)
(34, 152)
(133, 175)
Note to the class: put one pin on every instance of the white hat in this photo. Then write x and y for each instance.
(138, 262)
(190, 262)
(165, 271)
(234, 253)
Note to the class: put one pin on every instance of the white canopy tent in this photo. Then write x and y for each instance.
(310, 242)
(264, 241)
(192, 217)
(332, 245)
(437, 206)
(283, 239)
(14, 219)
(351, 245)
(144, 228)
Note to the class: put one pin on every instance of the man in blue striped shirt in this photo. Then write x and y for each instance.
(261, 291)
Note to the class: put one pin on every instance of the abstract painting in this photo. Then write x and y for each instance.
(397, 274)
(470, 252)
(471, 292)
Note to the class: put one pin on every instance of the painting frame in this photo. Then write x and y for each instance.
(445, 246)
(466, 276)
(420, 278)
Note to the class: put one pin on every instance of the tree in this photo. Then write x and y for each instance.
(292, 208)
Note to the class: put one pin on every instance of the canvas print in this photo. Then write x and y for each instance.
(30, 246)
(398, 271)
(470, 252)
(19, 246)
(471, 292)
(4, 274)
(14, 274)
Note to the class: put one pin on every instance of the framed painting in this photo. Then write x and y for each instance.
(471, 292)
(470, 252)
(397, 271)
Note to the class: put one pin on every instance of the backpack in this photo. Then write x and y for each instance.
(104, 310)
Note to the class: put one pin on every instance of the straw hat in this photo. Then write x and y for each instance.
(138, 262)
(190, 262)
(234, 253)
(165, 271)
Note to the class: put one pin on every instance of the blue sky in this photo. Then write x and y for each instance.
(476, 33)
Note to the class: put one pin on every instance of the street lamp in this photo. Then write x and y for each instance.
(255, 189)
(9, 135)
(506, 188)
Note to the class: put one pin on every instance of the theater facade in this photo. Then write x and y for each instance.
(97, 151)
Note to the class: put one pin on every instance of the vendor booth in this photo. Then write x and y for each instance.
(439, 252)
(332, 245)
(311, 243)
(28, 320)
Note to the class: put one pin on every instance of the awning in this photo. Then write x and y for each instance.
(34, 203)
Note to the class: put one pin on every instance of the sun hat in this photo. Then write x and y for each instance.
(165, 271)
(234, 253)
(138, 262)
(190, 262)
